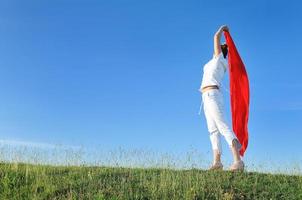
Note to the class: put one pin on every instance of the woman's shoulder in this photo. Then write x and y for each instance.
(216, 60)
(219, 56)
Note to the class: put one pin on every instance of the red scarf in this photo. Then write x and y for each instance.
(240, 96)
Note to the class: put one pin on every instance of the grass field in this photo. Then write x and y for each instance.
(27, 181)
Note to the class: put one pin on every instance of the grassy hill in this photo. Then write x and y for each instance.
(25, 181)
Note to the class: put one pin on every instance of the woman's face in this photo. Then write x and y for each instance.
(224, 49)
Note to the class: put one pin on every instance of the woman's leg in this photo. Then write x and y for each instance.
(214, 136)
(215, 141)
(238, 164)
(216, 112)
(235, 150)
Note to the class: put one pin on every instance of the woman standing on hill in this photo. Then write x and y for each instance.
(212, 97)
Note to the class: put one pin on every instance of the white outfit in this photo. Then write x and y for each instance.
(214, 70)
(213, 104)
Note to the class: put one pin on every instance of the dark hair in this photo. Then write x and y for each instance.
(224, 49)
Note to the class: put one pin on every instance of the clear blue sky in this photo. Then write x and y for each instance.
(107, 74)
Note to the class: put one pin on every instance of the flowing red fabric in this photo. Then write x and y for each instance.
(240, 95)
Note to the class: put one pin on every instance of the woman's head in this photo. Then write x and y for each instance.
(224, 49)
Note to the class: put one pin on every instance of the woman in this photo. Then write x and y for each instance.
(212, 98)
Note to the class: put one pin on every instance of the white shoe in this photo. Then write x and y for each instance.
(237, 166)
(216, 166)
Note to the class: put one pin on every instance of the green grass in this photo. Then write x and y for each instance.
(25, 181)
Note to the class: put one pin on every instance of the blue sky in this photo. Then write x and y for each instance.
(109, 74)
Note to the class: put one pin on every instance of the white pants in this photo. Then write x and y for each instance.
(213, 106)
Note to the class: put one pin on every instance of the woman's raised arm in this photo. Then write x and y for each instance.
(217, 36)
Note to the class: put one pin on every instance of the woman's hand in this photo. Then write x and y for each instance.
(222, 28)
